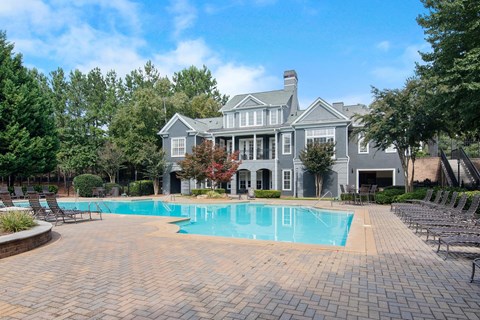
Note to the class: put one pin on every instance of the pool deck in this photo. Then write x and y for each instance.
(134, 267)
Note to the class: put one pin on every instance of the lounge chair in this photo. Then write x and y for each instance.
(60, 212)
(6, 199)
(373, 193)
(465, 239)
(45, 190)
(251, 194)
(18, 193)
(38, 210)
(460, 218)
(398, 206)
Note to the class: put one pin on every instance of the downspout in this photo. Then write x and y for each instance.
(276, 160)
(348, 157)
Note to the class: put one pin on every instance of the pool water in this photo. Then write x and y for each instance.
(243, 220)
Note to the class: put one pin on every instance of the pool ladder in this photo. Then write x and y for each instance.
(322, 197)
(98, 206)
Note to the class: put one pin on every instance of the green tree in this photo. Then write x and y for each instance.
(402, 118)
(111, 159)
(194, 82)
(154, 163)
(453, 66)
(318, 159)
(28, 140)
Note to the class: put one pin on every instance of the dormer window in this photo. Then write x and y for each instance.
(230, 120)
(251, 118)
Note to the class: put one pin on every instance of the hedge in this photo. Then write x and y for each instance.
(197, 192)
(388, 194)
(267, 194)
(38, 188)
(84, 183)
(140, 188)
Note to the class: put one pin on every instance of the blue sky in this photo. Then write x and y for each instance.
(339, 48)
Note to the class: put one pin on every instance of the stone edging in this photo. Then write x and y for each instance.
(22, 241)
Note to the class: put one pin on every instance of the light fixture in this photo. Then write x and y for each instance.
(398, 170)
(352, 170)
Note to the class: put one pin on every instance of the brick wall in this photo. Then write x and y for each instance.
(21, 245)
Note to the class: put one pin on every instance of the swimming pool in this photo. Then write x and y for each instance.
(244, 220)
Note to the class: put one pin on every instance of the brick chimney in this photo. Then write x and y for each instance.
(290, 80)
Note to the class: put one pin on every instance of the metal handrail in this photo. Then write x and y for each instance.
(469, 166)
(96, 203)
(451, 179)
(321, 198)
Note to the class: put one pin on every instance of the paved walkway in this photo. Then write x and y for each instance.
(124, 268)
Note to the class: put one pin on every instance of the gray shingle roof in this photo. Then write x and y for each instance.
(204, 125)
(274, 98)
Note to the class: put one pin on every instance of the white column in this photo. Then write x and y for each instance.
(254, 146)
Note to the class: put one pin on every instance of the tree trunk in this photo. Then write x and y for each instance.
(155, 186)
(410, 184)
(318, 185)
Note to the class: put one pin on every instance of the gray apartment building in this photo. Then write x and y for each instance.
(269, 130)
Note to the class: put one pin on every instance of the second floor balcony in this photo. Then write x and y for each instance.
(261, 154)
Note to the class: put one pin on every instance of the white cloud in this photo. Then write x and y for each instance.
(401, 67)
(236, 79)
(184, 15)
(383, 46)
(63, 32)
(187, 53)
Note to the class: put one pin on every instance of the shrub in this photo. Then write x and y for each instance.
(140, 188)
(15, 221)
(419, 194)
(388, 194)
(85, 183)
(197, 192)
(267, 193)
(212, 194)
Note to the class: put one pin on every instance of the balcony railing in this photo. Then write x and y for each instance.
(262, 154)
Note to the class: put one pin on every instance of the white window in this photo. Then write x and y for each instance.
(391, 149)
(287, 143)
(251, 118)
(178, 147)
(362, 146)
(287, 180)
(324, 135)
(230, 120)
(273, 117)
(259, 118)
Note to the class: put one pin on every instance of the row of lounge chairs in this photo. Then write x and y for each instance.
(444, 218)
(53, 212)
(19, 194)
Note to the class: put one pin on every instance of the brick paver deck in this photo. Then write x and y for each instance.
(121, 268)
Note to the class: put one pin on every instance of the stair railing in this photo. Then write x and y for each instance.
(447, 169)
(470, 168)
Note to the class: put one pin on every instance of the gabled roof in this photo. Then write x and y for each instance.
(176, 117)
(268, 98)
(319, 111)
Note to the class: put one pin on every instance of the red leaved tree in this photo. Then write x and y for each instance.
(209, 162)
(222, 167)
